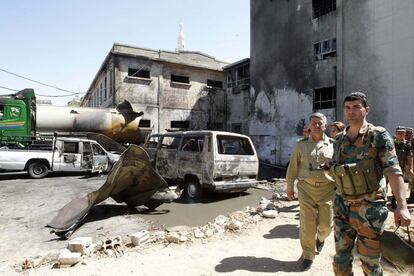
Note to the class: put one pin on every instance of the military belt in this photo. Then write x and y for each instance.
(318, 183)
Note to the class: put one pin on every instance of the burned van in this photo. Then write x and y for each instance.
(197, 160)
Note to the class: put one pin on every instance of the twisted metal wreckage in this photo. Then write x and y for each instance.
(132, 180)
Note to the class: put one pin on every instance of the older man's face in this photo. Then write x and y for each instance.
(317, 125)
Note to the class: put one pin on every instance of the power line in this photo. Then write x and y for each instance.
(42, 83)
(43, 95)
(11, 89)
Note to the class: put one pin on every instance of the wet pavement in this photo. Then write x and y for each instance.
(27, 205)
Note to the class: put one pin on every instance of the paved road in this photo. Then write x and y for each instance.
(27, 205)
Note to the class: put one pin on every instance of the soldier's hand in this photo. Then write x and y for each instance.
(291, 195)
(402, 216)
(327, 165)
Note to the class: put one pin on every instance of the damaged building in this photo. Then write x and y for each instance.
(175, 90)
(307, 55)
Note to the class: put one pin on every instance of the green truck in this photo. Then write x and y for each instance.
(17, 118)
(22, 121)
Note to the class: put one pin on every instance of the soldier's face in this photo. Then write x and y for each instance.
(333, 131)
(355, 112)
(400, 135)
(408, 135)
(317, 126)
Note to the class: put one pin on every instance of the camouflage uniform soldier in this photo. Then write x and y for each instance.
(315, 189)
(409, 137)
(404, 154)
(363, 153)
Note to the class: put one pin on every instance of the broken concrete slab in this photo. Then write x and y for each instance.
(270, 213)
(173, 237)
(81, 245)
(140, 238)
(66, 257)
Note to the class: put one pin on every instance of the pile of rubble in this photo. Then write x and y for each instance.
(80, 248)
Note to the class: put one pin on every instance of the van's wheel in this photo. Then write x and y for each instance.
(193, 189)
(37, 170)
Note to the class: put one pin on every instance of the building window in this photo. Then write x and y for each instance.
(325, 49)
(215, 84)
(321, 7)
(110, 83)
(324, 98)
(180, 124)
(238, 76)
(105, 93)
(144, 123)
(138, 73)
(180, 79)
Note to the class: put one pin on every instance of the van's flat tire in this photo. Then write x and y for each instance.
(37, 170)
(193, 189)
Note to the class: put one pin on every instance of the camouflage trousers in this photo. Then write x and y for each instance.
(361, 222)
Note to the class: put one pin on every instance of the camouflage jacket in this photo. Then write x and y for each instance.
(381, 149)
(404, 153)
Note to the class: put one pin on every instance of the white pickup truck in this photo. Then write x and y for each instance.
(60, 155)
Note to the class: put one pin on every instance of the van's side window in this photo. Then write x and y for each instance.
(193, 144)
(71, 147)
(170, 142)
(234, 145)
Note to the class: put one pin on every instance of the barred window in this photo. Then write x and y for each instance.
(324, 98)
(138, 73)
(321, 7)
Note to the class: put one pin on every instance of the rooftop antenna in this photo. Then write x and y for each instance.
(180, 38)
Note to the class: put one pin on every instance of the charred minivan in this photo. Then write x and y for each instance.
(197, 160)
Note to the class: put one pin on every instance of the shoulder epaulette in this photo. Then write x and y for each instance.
(303, 139)
(378, 128)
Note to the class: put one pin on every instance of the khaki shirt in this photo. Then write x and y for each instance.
(306, 160)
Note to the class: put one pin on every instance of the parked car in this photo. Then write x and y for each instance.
(60, 155)
(196, 160)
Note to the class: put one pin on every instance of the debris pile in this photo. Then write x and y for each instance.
(81, 247)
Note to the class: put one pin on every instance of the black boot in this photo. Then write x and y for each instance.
(306, 264)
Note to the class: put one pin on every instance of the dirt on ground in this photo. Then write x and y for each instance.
(260, 247)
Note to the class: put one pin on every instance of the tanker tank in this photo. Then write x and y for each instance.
(120, 124)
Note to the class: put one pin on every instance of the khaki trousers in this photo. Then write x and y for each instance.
(315, 202)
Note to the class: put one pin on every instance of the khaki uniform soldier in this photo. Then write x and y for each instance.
(409, 137)
(315, 189)
(363, 155)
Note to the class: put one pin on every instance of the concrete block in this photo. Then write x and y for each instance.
(81, 245)
(69, 258)
(140, 238)
(270, 213)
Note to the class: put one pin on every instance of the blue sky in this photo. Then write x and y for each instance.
(63, 43)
